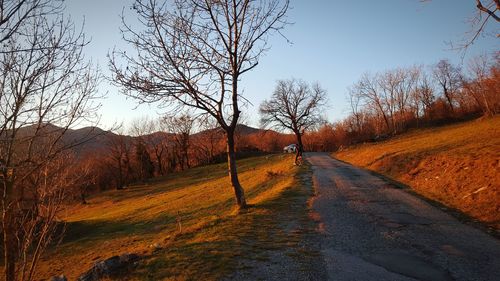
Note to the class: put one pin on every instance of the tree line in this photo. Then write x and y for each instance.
(187, 56)
(391, 102)
(158, 147)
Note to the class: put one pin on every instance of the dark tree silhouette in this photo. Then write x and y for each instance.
(119, 154)
(449, 79)
(143, 159)
(294, 105)
(181, 127)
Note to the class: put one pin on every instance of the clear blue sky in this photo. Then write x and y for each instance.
(334, 43)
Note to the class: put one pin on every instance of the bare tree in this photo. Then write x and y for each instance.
(160, 141)
(355, 100)
(84, 176)
(36, 222)
(423, 97)
(389, 96)
(449, 78)
(294, 105)
(208, 140)
(119, 154)
(181, 128)
(144, 165)
(479, 68)
(143, 129)
(152, 133)
(194, 53)
(142, 126)
(394, 89)
(485, 10)
(400, 98)
(491, 8)
(46, 88)
(407, 83)
(388, 83)
(14, 14)
(368, 90)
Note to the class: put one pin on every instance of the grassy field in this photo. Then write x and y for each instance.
(214, 236)
(457, 165)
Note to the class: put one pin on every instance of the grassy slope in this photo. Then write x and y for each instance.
(458, 165)
(213, 235)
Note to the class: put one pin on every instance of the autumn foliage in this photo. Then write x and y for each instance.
(392, 102)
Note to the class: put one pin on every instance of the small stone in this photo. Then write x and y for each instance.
(59, 278)
(129, 258)
(156, 246)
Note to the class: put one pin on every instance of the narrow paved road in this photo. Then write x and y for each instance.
(371, 230)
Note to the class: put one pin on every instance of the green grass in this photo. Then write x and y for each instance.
(216, 237)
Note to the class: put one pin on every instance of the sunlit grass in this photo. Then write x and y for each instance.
(145, 220)
(457, 165)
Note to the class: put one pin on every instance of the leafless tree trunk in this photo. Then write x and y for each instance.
(84, 175)
(356, 111)
(295, 106)
(181, 128)
(45, 82)
(194, 53)
(425, 94)
(207, 142)
(390, 97)
(119, 149)
(479, 67)
(448, 77)
(153, 134)
(36, 221)
(408, 78)
(368, 89)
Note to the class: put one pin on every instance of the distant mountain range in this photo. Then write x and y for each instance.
(94, 139)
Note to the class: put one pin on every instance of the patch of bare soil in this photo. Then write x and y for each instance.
(470, 185)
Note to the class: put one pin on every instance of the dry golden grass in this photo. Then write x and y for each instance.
(458, 165)
(214, 234)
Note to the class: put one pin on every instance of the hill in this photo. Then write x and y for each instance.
(457, 165)
(92, 139)
(184, 226)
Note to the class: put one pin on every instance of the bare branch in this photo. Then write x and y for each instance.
(47, 88)
(193, 54)
(491, 13)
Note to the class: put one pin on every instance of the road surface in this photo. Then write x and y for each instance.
(371, 230)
